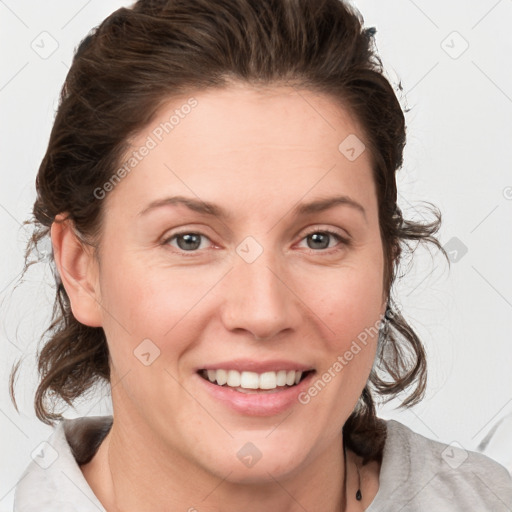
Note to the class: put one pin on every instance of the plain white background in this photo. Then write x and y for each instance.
(453, 60)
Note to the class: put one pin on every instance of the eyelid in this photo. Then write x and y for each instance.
(327, 229)
(167, 239)
(344, 239)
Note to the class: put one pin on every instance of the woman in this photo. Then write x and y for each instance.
(219, 188)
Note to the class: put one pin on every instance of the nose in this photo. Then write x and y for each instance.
(259, 298)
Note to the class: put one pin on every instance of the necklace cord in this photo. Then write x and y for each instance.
(359, 495)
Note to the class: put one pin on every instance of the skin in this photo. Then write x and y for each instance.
(255, 153)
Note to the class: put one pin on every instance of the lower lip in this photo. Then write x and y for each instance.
(257, 404)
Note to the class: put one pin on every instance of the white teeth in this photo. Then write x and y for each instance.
(281, 378)
(221, 377)
(253, 380)
(249, 380)
(233, 379)
(268, 380)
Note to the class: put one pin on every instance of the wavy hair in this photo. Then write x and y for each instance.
(139, 58)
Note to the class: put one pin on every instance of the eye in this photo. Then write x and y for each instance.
(320, 240)
(187, 241)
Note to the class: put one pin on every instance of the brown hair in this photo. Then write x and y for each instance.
(140, 57)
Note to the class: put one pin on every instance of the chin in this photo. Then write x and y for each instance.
(257, 462)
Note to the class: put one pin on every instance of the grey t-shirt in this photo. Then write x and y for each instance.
(417, 474)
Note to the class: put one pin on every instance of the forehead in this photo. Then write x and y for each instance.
(246, 142)
(246, 115)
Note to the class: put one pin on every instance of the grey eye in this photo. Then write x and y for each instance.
(188, 241)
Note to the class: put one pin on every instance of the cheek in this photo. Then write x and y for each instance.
(143, 302)
(347, 300)
(350, 306)
(141, 294)
(350, 310)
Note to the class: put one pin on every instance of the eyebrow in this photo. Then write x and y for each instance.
(214, 210)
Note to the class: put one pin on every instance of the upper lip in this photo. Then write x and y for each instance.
(249, 365)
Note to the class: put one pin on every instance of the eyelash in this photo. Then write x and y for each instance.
(343, 241)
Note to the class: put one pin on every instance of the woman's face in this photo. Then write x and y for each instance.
(266, 280)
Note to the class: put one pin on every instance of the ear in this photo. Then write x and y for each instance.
(78, 270)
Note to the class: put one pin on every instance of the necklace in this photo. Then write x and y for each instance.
(359, 496)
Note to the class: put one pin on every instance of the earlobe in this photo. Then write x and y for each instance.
(77, 267)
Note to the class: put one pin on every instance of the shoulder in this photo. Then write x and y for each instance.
(53, 479)
(423, 474)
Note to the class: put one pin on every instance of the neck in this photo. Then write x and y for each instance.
(133, 471)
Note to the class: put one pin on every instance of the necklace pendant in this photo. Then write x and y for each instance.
(359, 496)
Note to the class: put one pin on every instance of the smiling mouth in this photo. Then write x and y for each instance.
(252, 382)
